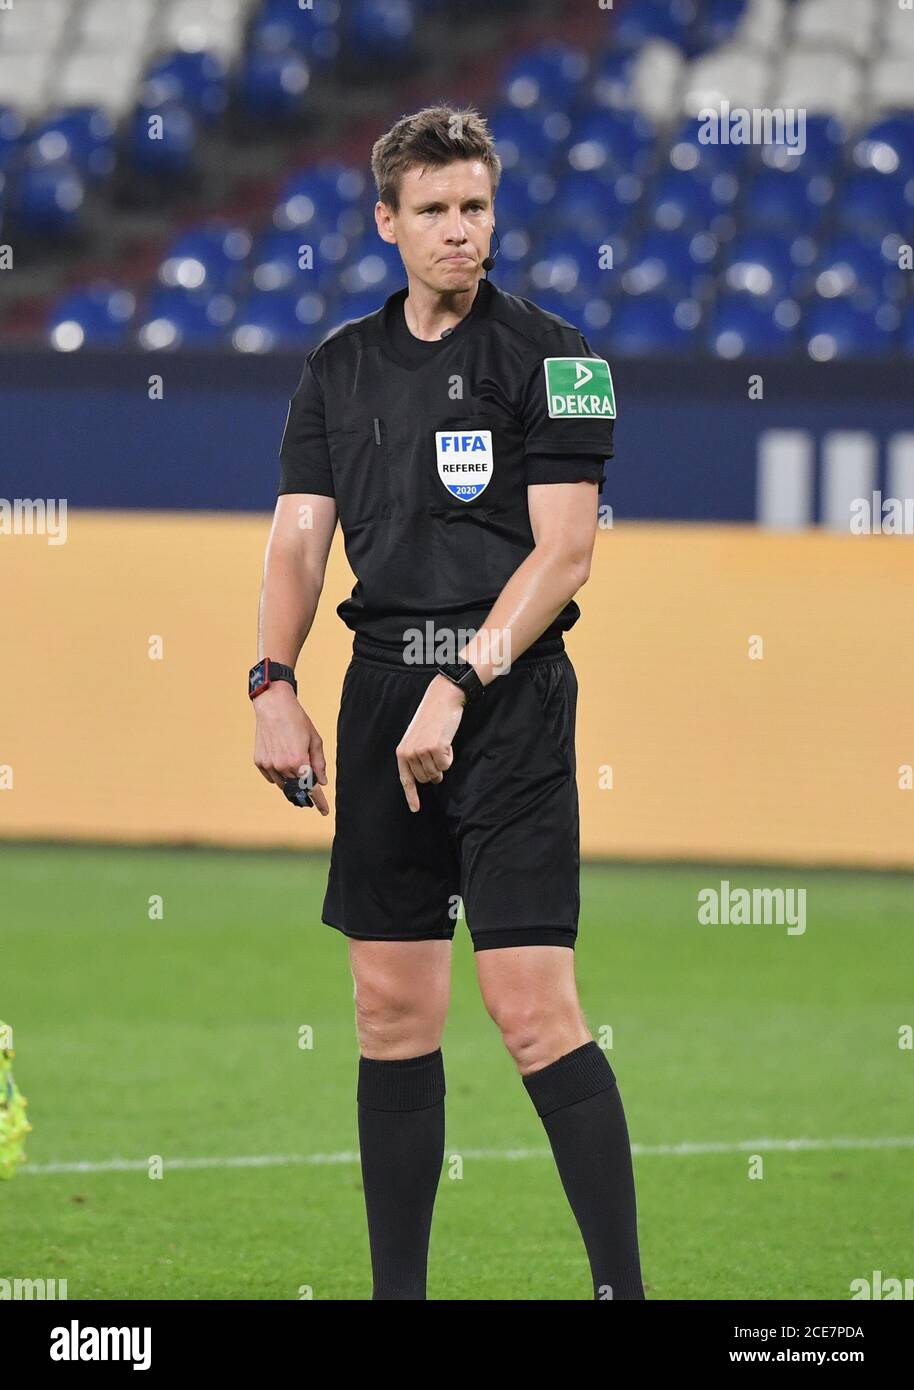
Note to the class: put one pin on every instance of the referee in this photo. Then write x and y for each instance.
(459, 434)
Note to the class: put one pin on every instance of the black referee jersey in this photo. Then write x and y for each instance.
(428, 449)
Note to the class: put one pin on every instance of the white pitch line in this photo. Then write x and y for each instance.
(131, 1165)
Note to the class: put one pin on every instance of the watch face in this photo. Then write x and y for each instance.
(257, 677)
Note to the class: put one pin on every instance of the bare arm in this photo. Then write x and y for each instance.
(293, 573)
(287, 742)
(563, 518)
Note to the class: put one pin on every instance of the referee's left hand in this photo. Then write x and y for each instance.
(424, 753)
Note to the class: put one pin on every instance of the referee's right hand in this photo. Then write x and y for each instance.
(287, 744)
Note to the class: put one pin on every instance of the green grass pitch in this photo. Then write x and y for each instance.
(179, 1038)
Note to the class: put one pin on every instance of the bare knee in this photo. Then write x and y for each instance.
(537, 1034)
(395, 1019)
(531, 994)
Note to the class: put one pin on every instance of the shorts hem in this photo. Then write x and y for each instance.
(525, 936)
(373, 936)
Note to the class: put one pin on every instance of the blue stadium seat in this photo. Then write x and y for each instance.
(906, 336)
(198, 81)
(541, 189)
(592, 206)
(593, 319)
(887, 147)
(518, 139)
(760, 266)
(610, 84)
(314, 32)
(272, 86)
(98, 316)
(82, 136)
(49, 201)
(641, 20)
(207, 259)
(873, 205)
(652, 324)
(792, 203)
(538, 143)
(739, 325)
(379, 31)
(12, 133)
(824, 139)
(567, 264)
(515, 206)
(175, 318)
(723, 163)
(861, 271)
(169, 154)
(327, 195)
(373, 267)
(676, 263)
(715, 22)
(267, 320)
(837, 328)
(274, 261)
(548, 78)
(612, 142)
(683, 202)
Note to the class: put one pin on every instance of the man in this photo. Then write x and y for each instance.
(459, 433)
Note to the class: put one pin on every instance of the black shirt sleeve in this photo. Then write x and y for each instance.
(569, 435)
(565, 468)
(303, 453)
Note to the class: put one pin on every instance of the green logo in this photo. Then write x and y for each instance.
(579, 386)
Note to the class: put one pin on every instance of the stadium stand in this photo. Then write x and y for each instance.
(614, 209)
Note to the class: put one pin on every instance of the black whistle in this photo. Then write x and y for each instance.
(295, 792)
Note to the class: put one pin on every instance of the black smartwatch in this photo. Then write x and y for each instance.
(462, 673)
(262, 676)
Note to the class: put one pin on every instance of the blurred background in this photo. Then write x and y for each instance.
(163, 168)
(745, 654)
(163, 160)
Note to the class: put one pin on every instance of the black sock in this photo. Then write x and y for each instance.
(401, 1138)
(578, 1101)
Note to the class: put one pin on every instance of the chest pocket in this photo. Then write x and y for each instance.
(360, 462)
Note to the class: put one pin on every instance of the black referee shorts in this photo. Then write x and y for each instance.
(500, 831)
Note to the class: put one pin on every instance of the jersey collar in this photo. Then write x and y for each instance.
(480, 312)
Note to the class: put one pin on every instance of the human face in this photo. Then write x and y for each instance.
(444, 224)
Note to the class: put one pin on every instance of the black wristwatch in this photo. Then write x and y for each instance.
(262, 676)
(462, 673)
